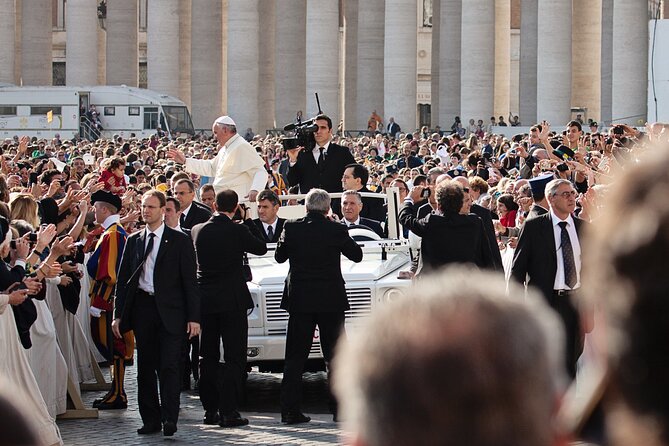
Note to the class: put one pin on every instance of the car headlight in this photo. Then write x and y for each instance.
(392, 294)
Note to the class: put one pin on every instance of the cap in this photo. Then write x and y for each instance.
(563, 152)
(225, 120)
(538, 184)
(107, 197)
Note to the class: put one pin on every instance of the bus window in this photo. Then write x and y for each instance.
(7, 111)
(150, 118)
(178, 119)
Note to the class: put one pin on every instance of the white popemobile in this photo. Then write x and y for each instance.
(369, 284)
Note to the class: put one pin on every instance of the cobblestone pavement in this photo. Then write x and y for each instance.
(261, 408)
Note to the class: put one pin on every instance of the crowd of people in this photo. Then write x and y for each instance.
(87, 226)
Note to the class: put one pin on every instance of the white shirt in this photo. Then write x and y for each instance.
(273, 225)
(184, 212)
(111, 220)
(146, 277)
(316, 152)
(575, 246)
(351, 223)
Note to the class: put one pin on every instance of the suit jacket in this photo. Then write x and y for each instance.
(372, 208)
(486, 217)
(198, 213)
(314, 246)
(277, 232)
(327, 176)
(174, 279)
(448, 238)
(536, 211)
(535, 259)
(220, 245)
(393, 128)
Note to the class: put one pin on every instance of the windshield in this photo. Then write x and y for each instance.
(178, 119)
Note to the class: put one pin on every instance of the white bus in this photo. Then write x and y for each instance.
(122, 110)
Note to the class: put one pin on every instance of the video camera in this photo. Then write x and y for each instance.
(303, 132)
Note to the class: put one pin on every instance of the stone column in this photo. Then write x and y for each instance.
(243, 62)
(184, 50)
(36, 26)
(586, 57)
(266, 91)
(81, 57)
(450, 38)
(290, 65)
(370, 61)
(629, 81)
(350, 65)
(528, 62)
(434, 62)
(162, 46)
(477, 59)
(122, 43)
(606, 57)
(7, 37)
(206, 62)
(502, 59)
(554, 62)
(323, 58)
(400, 63)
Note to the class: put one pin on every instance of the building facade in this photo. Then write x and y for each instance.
(422, 62)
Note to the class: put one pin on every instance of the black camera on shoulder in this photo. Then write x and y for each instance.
(303, 131)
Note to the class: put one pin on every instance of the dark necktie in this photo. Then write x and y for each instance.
(182, 219)
(567, 256)
(320, 156)
(270, 233)
(149, 246)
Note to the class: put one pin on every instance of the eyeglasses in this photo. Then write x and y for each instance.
(568, 194)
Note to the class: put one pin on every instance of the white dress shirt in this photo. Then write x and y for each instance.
(316, 152)
(146, 278)
(351, 223)
(560, 283)
(273, 225)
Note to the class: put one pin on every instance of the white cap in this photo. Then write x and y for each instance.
(225, 120)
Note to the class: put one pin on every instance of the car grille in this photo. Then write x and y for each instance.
(359, 299)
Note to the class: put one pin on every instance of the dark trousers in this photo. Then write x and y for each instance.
(222, 385)
(301, 328)
(158, 358)
(571, 322)
(191, 358)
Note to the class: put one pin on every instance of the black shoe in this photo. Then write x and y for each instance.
(211, 417)
(169, 428)
(335, 418)
(233, 420)
(148, 429)
(294, 418)
(117, 404)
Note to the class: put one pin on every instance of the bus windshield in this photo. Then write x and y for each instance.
(178, 119)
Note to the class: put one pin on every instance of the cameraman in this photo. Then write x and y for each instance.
(221, 245)
(321, 167)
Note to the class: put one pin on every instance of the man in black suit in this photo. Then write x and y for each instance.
(192, 213)
(355, 178)
(268, 221)
(314, 293)
(393, 128)
(548, 256)
(540, 205)
(448, 236)
(321, 167)
(157, 297)
(221, 244)
(351, 209)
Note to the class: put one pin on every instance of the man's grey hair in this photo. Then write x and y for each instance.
(453, 361)
(232, 128)
(317, 200)
(554, 185)
(355, 193)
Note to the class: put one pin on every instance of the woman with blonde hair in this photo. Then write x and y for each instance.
(24, 207)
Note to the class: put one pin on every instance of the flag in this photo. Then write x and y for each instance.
(49, 116)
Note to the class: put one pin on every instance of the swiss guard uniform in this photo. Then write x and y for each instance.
(102, 267)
